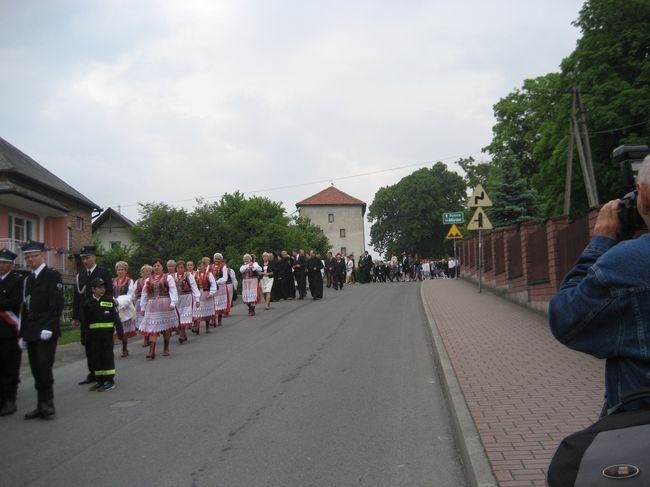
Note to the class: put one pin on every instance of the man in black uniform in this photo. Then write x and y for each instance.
(41, 327)
(83, 292)
(314, 266)
(11, 297)
(299, 271)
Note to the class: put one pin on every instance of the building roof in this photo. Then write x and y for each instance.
(332, 196)
(111, 215)
(13, 162)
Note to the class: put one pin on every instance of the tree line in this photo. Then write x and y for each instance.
(525, 172)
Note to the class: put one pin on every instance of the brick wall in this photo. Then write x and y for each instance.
(523, 268)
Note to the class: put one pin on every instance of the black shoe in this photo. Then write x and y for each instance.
(45, 410)
(36, 413)
(96, 386)
(87, 380)
(8, 408)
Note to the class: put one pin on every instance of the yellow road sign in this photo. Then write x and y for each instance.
(479, 198)
(454, 233)
(479, 221)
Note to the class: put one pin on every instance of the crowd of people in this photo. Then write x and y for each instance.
(172, 298)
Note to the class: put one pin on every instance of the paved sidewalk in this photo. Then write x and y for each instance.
(525, 391)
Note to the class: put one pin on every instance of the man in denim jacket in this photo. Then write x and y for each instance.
(603, 305)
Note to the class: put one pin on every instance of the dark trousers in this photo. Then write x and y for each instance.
(41, 360)
(338, 280)
(101, 349)
(302, 282)
(89, 360)
(10, 354)
(316, 284)
(328, 275)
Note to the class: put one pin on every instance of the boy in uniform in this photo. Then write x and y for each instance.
(100, 318)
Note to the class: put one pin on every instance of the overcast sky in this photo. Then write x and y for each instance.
(132, 101)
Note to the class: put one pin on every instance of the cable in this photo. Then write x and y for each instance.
(320, 181)
(620, 128)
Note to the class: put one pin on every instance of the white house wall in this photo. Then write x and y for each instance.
(346, 217)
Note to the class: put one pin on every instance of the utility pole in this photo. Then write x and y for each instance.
(578, 132)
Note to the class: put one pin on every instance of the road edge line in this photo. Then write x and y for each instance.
(475, 459)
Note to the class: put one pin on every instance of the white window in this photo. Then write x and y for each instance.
(21, 229)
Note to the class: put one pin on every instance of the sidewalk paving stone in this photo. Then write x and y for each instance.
(525, 391)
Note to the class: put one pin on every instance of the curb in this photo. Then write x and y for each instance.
(477, 466)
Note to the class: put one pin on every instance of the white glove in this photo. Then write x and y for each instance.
(46, 335)
(21, 344)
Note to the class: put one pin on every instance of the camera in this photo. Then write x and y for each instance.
(630, 158)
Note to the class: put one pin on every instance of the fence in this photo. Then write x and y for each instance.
(528, 264)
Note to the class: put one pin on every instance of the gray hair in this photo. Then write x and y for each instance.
(217, 256)
(171, 262)
(121, 263)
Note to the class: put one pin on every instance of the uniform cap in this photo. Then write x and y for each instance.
(31, 246)
(87, 250)
(7, 255)
(97, 282)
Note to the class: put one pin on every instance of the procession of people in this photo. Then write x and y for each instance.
(169, 299)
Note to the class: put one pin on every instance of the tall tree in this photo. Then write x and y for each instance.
(610, 66)
(407, 216)
(514, 202)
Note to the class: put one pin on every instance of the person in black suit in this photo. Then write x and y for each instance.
(11, 298)
(329, 268)
(299, 271)
(83, 292)
(338, 275)
(314, 266)
(41, 325)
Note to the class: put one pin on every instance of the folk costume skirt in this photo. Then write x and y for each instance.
(158, 317)
(185, 308)
(206, 306)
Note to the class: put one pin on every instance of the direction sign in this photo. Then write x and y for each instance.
(454, 233)
(453, 217)
(479, 198)
(479, 221)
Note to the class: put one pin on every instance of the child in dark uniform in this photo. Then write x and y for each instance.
(100, 317)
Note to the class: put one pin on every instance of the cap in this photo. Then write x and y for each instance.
(31, 247)
(7, 255)
(87, 250)
(97, 282)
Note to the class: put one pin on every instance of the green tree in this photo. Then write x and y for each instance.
(407, 216)
(475, 173)
(514, 201)
(610, 66)
(234, 225)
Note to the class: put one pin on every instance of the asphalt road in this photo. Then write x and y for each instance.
(337, 392)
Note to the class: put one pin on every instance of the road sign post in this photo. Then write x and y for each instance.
(480, 222)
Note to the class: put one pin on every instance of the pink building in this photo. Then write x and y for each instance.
(37, 205)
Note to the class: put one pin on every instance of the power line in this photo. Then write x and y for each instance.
(618, 129)
(320, 181)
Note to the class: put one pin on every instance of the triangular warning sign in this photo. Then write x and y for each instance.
(479, 221)
(454, 233)
(479, 198)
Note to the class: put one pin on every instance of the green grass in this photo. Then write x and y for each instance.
(69, 336)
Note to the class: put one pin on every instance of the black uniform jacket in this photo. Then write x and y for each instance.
(83, 291)
(102, 311)
(11, 297)
(43, 305)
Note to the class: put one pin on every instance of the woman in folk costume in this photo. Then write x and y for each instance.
(159, 299)
(207, 287)
(123, 285)
(188, 298)
(221, 301)
(250, 284)
(266, 283)
(231, 284)
(145, 272)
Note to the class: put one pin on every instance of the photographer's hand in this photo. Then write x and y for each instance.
(608, 224)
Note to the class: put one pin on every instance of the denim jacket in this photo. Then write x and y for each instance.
(603, 308)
